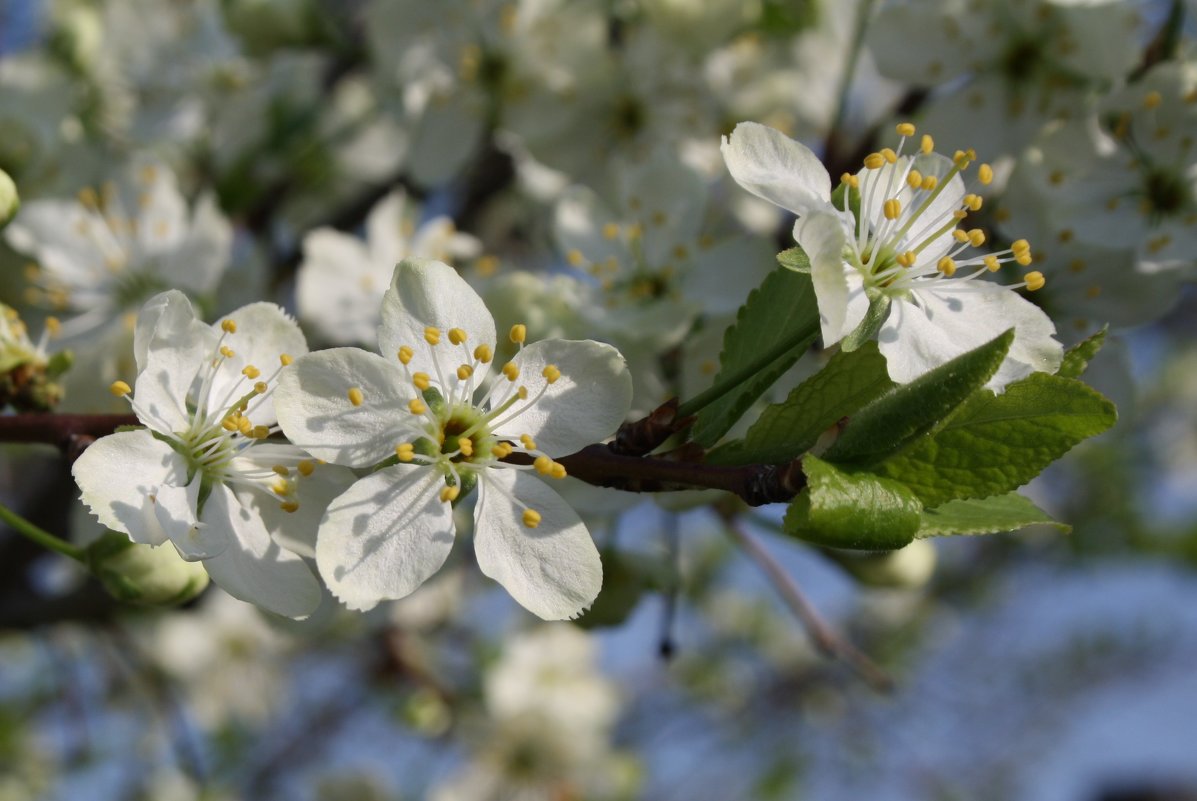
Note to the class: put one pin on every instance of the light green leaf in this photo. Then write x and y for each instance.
(786, 430)
(1077, 358)
(852, 510)
(996, 443)
(909, 411)
(780, 316)
(794, 259)
(1008, 512)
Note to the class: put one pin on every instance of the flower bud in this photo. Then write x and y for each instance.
(144, 574)
(10, 201)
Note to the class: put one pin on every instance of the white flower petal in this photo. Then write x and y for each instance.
(296, 531)
(176, 347)
(264, 333)
(773, 166)
(720, 278)
(385, 229)
(119, 472)
(552, 570)
(314, 410)
(338, 287)
(584, 405)
(822, 237)
(385, 536)
(175, 509)
(957, 316)
(254, 568)
(431, 294)
(166, 316)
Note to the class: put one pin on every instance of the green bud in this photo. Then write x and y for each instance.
(10, 201)
(144, 574)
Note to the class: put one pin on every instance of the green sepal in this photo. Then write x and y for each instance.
(59, 363)
(874, 318)
(857, 511)
(469, 480)
(1076, 359)
(898, 418)
(786, 430)
(794, 259)
(993, 515)
(435, 400)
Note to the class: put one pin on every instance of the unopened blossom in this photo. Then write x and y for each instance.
(341, 279)
(426, 412)
(203, 475)
(904, 253)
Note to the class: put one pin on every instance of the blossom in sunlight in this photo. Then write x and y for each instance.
(102, 255)
(202, 474)
(897, 261)
(426, 407)
(341, 279)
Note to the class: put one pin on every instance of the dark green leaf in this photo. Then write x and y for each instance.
(1077, 358)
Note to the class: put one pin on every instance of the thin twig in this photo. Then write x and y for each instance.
(825, 638)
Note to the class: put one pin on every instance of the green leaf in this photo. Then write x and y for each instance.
(846, 510)
(908, 412)
(996, 443)
(1008, 512)
(780, 316)
(869, 326)
(1077, 358)
(794, 259)
(786, 430)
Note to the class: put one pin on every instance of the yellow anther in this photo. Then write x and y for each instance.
(905, 129)
(466, 445)
(976, 237)
(930, 182)
(1023, 258)
(889, 154)
(527, 441)
(260, 432)
(680, 252)
(405, 354)
(848, 178)
(946, 266)
(657, 218)
(558, 470)
(1152, 99)
(531, 518)
(261, 387)
(421, 380)
(511, 371)
(405, 451)
(874, 161)
(289, 506)
(501, 451)
(543, 465)
(355, 396)
(611, 230)
(416, 406)
(483, 354)
(914, 179)
(228, 326)
(226, 351)
(973, 202)
(575, 258)
(487, 265)
(305, 467)
(959, 214)
(230, 423)
(908, 258)
(464, 372)
(54, 326)
(250, 372)
(88, 197)
(892, 209)
(285, 359)
(960, 235)
(449, 494)
(522, 392)
(1035, 280)
(992, 263)
(120, 389)
(457, 336)
(1020, 245)
(280, 487)
(927, 144)
(985, 174)
(551, 373)
(432, 335)
(518, 333)
(281, 470)
(245, 426)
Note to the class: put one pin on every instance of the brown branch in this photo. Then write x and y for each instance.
(826, 639)
(599, 465)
